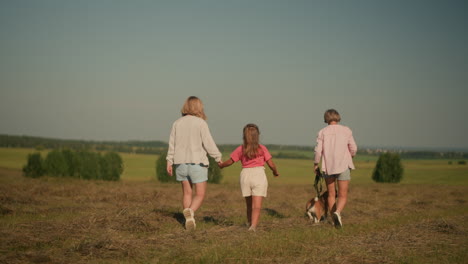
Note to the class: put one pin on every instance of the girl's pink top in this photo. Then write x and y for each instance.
(258, 161)
(336, 148)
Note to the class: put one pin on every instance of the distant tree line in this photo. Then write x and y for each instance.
(80, 164)
(160, 147)
(272, 147)
(405, 154)
(433, 155)
(39, 143)
(290, 155)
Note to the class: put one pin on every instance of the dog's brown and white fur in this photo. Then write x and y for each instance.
(317, 207)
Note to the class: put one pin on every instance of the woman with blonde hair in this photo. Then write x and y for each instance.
(189, 143)
(336, 148)
(253, 181)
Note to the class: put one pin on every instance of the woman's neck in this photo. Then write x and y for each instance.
(333, 123)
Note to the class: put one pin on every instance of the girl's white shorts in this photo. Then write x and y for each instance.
(253, 182)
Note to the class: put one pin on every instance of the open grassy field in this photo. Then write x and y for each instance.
(424, 219)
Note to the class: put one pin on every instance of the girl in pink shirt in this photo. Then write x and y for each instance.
(253, 180)
(336, 148)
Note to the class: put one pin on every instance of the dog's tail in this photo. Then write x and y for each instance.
(309, 203)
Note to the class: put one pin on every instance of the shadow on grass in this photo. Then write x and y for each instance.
(179, 217)
(273, 213)
(171, 213)
(221, 222)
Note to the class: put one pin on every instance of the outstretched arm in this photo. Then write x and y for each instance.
(272, 166)
(227, 163)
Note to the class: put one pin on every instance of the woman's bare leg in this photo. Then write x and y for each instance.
(342, 195)
(331, 193)
(187, 194)
(200, 189)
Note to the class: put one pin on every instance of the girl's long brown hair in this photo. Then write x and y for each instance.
(193, 106)
(251, 147)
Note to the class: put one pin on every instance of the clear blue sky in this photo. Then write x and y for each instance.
(397, 71)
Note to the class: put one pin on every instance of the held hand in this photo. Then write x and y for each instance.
(169, 169)
(316, 167)
(276, 174)
(220, 164)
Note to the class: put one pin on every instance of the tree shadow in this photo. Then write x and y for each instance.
(273, 213)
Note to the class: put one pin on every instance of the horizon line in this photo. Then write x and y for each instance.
(383, 147)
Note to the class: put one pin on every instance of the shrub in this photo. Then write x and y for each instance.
(35, 166)
(388, 168)
(83, 164)
(214, 172)
(55, 164)
(111, 166)
(461, 162)
(89, 165)
(161, 171)
(72, 162)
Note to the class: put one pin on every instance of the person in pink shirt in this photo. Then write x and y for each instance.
(253, 181)
(336, 148)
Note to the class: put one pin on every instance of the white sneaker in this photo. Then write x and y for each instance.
(189, 219)
(252, 229)
(337, 219)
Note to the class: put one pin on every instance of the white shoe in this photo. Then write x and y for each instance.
(189, 219)
(337, 219)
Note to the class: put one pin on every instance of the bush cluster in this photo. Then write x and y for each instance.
(77, 164)
(388, 168)
(214, 172)
(460, 162)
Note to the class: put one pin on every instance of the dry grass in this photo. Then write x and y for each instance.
(54, 220)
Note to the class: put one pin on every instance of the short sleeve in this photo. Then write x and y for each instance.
(266, 154)
(236, 155)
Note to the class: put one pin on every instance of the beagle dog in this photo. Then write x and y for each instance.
(317, 208)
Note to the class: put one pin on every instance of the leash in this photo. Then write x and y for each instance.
(318, 182)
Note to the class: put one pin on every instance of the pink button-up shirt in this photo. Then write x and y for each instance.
(336, 148)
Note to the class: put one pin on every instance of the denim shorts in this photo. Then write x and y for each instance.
(344, 176)
(195, 173)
